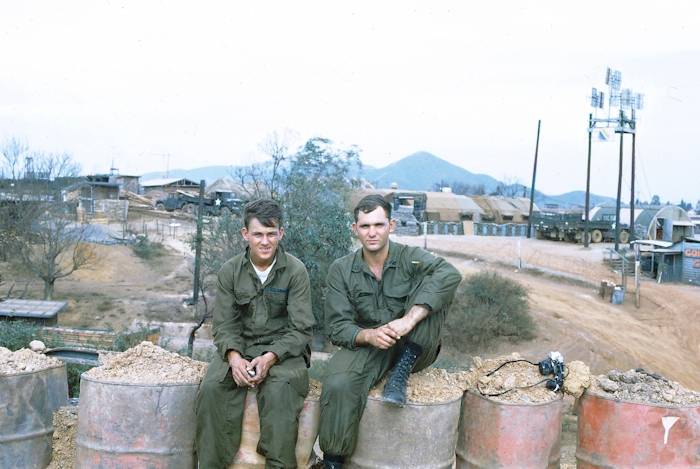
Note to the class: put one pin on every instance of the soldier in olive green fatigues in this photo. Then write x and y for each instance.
(356, 300)
(254, 318)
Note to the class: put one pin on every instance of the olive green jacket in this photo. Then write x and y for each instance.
(356, 300)
(252, 318)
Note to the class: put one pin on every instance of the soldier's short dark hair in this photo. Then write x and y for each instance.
(267, 211)
(369, 203)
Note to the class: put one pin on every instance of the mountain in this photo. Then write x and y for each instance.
(421, 170)
(570, 199)
(208, 173)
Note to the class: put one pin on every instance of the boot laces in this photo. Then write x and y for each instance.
(405, 364)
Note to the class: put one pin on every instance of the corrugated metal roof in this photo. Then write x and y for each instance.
(31, 308)
(164, 182)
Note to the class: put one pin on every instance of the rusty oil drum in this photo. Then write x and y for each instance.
(130, 425)
(614, 434)
(504, 435)
(247, 456)
(417, 436)
(26, 421)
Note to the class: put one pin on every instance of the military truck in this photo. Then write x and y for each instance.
(219, 203)
(570, 227)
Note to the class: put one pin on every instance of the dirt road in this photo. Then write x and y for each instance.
(563, 281)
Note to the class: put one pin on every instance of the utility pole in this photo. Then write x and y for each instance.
(588, 183)
(625, 99)
(198, 244)
(534, 174)
(619, 190)
(634, 144)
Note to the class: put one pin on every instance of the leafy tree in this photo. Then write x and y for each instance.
(316, 187)
(312, 186)
(655, 200)
(685, 206)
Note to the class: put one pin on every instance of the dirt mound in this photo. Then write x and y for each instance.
(428, 386)
(147, 364)
(65, 428)
(24, 361)
(509, 379)
(640, 386)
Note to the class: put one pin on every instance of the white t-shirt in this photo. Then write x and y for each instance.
(262, 274)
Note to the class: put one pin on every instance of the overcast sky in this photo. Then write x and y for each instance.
(206, 82)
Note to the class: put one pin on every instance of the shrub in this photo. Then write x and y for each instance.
(16, 335)
(74, 371)
(488, 307)
(147, 249)
(126, 340)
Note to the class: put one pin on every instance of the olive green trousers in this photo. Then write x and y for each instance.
(350, 374)
(220, 404)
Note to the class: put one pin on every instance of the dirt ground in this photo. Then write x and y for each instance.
(562, 280)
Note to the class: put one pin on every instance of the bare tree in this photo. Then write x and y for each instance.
(38, 225)
(509, 186)
(265, 179)
(13, 153)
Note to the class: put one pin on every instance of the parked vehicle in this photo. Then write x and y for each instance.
(570, 227)
(221, 203)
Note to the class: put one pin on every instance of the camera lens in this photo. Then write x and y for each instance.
(546, 366)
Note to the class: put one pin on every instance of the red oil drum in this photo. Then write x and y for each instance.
(248, 458)
(614, 434)
(417, 436)
(503, 435)
(133, 425)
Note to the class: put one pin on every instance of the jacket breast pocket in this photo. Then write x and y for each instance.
(364, 304)
(276, 304)
(396, 297)
(243, 301)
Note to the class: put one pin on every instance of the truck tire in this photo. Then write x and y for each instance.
(624, 236)
(160, 206)
(596, 236)
(189, 208)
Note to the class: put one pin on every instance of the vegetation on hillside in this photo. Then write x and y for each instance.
(487, 308)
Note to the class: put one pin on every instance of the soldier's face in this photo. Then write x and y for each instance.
(373, 229)
(263, 242)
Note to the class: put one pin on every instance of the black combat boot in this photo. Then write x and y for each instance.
(331, 462)
(395, 387)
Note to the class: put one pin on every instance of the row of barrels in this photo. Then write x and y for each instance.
(136, 425)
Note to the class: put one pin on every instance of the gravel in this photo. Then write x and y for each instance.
(65, 427)
(147, 363)
(643, 387)
(24, 361)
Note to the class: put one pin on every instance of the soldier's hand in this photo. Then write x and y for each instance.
(239, 369)
(383, 337)
(262, 365)
(405, 324)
